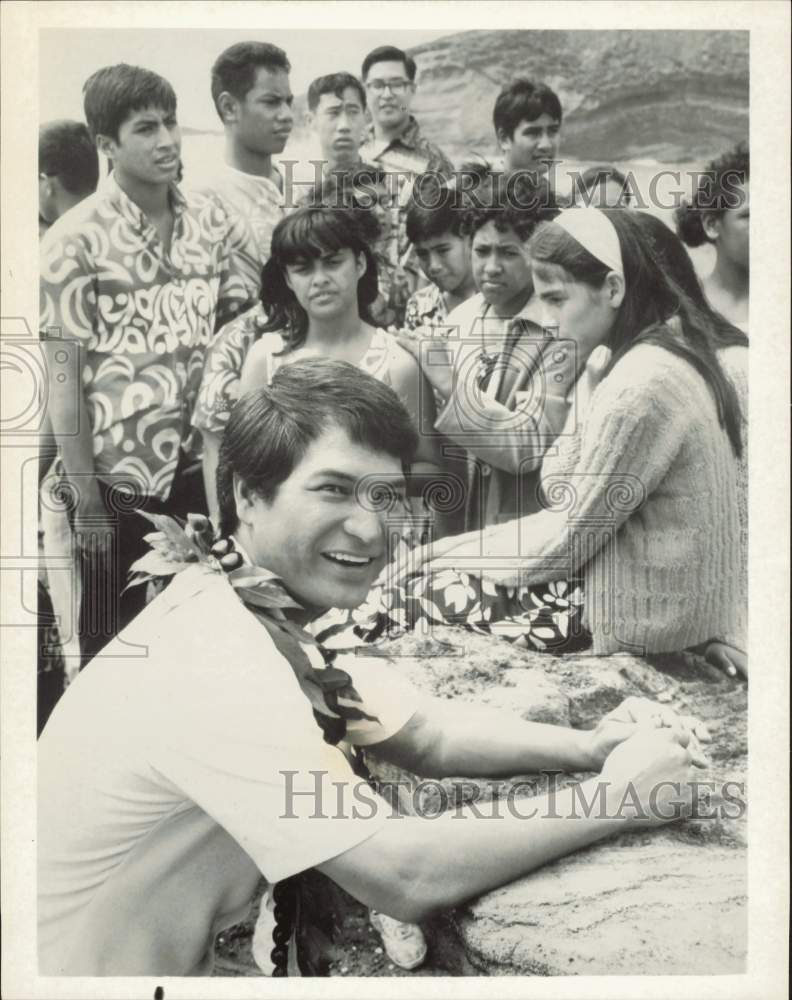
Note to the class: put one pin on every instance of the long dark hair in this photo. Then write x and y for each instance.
(678, 266)
(306, 234)
(652, 299)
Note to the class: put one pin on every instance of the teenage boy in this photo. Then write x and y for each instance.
(68, 169)
(337, 114)
(167, 790)
(395, 142)
(252, 96)
(506, 388)
(527, 120)
(435, 228)
(134, 282)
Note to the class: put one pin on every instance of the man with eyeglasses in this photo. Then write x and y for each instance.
(395, 142)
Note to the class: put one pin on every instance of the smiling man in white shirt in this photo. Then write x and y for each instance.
(167, 786)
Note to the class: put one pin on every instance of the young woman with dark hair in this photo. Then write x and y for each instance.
(720, 214)
(639, 533)
(731, 348)
(317, 290)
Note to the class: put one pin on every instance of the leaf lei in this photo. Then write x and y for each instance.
(175, 546)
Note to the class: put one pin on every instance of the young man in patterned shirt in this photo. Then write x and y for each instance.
(395, 142)
(134, 282)
(251, 92)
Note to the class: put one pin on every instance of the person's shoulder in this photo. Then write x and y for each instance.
(242, 327)
(76, 224)
(466, 312)
(265, 350)
(402, 366)
(653, 376)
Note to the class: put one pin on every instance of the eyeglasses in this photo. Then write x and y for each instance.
(395, 86)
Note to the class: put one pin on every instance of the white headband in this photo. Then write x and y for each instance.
(595, 232)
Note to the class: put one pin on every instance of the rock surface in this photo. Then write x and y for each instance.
(670, 900)
(667, 901)
(673, 96)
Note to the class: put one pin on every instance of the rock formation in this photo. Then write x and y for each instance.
(671, 900)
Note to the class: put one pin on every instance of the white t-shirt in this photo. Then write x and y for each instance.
(148, 764)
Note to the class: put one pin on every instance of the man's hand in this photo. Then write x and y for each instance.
(651, 771)
(636, 715)
(94, 528)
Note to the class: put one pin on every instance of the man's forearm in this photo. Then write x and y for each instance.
(448, 738)
(412, 867)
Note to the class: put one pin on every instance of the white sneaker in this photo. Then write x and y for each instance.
(405, 944)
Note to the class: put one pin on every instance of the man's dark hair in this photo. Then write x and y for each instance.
(518, 201)
(336, 84)
(389, 53)
(437, 206)
(524, 100)
(113, 93)
(716, 191)
(270, 429)
(66, 151)
(235, 69)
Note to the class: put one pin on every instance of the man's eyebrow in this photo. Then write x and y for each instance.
(397, 481)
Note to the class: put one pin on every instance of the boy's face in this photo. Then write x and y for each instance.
(315, 534)
(445, 260)
(262, 120)
(501, 268)
(389, 105)
(148, 147)
(534, 144)
(340, 123)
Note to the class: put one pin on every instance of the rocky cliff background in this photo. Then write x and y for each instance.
(668, 96)
(671, 96)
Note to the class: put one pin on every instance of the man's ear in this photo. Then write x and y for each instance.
(504, 139)
(361, 265)
(228, 107)
(309, 118)
(614, 289)
(711, 225)
(244, 499)
(107, 146)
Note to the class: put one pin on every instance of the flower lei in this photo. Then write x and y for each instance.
(176, 546)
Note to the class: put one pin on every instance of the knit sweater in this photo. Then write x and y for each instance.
(642, 501)
(734, 361)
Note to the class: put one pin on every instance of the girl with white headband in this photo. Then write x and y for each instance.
(637, 547)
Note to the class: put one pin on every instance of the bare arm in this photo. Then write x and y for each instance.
(256, 370)
(412, 867)
(446, 738)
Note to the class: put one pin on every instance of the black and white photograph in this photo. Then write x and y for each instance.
(387, 556)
